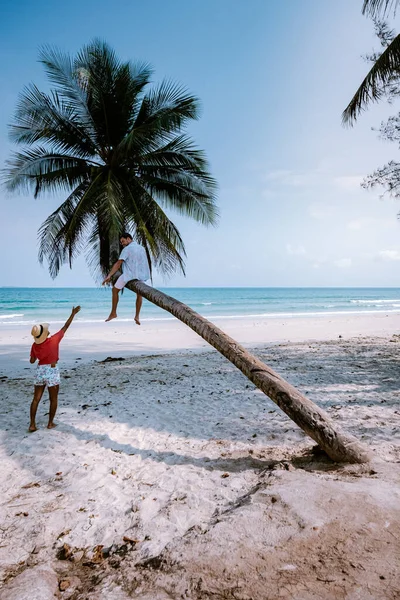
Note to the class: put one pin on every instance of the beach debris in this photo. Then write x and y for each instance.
(94, 556)
(65, 552)
(110, 359)
(224, 475)
(64, 585)
(63, 533)
(129, 540)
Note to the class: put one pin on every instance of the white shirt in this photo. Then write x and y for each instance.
(135, 265)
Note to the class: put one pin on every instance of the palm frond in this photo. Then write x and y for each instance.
(113, 90)
(42, 118)
(37, 169)
(51, 235)
(186, 196)
(154, 230)
(372, 88)
(62, 71)
(375, 8)
(163, 112)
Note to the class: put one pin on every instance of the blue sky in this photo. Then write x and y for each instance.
(273, 79)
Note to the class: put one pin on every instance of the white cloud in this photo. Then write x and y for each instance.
(350, 183)
(358, 224)
(294, 178)
(375, 223)
(320, 211)
(343, 263)
(389, 255)
(319, 176)
(295, 250)
(319, 262)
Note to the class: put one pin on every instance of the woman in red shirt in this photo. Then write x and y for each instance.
(45, 350)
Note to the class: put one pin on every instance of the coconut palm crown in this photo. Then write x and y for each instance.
(119, 151)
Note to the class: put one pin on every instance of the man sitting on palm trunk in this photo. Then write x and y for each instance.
(135, 265)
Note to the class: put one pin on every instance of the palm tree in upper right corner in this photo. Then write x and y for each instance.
(382, 71)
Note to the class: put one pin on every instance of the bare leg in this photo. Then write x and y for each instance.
(37, 396)
(115, 298)
(139, 302)
(53, 396)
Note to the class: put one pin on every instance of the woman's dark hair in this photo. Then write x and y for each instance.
(126, 235)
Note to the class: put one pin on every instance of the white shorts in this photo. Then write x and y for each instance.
(120, 283)
(47, 375)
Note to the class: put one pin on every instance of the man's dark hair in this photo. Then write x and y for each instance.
(126, 235)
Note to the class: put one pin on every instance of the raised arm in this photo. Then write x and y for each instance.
(74, 311)
(116, 267)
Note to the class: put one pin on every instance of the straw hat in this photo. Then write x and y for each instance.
(40, 333)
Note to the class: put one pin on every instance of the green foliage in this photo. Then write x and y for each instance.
(379, 78)
(374, 84)
(379, 8)
(388, 176)
(119, 150)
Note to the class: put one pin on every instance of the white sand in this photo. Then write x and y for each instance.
(96, 341)
(216, 488)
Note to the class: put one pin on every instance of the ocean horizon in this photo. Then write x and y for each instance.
(20, 307)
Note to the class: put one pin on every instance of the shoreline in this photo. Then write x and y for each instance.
(85, 342)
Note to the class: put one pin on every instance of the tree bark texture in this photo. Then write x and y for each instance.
(340, 446)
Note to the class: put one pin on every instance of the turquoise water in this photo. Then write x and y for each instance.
(24, 306)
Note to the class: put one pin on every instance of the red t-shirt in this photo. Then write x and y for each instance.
(47, 352)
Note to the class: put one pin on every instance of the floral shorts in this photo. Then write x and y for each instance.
(47, 375)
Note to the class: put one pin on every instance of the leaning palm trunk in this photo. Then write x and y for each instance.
(339, 446)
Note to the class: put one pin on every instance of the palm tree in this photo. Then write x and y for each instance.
(119, 150)
(340, 446)
(388, 64)
(120, 153)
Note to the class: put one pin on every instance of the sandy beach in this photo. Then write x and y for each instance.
(171, 476)
(87, 342)
(229, 162)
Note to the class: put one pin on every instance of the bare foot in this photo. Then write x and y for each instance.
(32, 428)
(111, 317)
(137, 321)
(51, 425)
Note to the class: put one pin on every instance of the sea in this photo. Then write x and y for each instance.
(22, 307)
